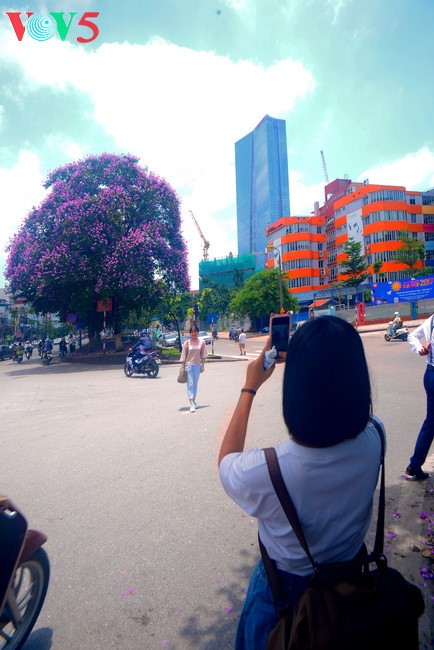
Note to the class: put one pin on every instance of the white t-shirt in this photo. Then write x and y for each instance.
(242, 337)
(331, 488)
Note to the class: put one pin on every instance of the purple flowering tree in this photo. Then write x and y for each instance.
(108, 229)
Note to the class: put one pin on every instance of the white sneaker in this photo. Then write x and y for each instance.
(194, 404)
(192, 408)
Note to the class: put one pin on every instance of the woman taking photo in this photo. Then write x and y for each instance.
(193, 359)
(330, 464)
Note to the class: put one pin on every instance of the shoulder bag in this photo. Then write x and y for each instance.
(356, 605)
(182, 377)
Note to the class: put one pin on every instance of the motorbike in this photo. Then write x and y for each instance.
(24, 576)
(28, 351)
(401, 333)
(46, 358)
(18, 355)
(147, 366)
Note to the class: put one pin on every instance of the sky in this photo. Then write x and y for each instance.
(178, 82)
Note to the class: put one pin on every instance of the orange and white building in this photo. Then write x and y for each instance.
(312, 247)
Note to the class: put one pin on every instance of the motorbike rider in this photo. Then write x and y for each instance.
(47, 346)
(28, 349)
(18, 349)
(40, 346)
(142, 347)
(397, 322)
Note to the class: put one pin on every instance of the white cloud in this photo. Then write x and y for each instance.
(20, 190)
(71, 150)
(180, 110)
(336, 7)
(415, 171)
(303, 197)
(238, 5)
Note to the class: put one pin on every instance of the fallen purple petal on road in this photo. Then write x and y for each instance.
(390, 534)
(423, 515)
(396, 515)
(165, 642)
(229, 608)
(130, 591)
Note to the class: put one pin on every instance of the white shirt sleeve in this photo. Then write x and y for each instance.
(423, 331)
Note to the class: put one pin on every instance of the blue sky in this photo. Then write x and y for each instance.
(177, 82)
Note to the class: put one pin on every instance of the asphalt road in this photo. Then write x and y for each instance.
(146, 549)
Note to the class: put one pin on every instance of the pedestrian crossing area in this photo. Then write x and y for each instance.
(251, 354)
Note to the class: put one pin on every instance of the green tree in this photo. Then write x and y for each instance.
(427, 270)
(260, 296)
(238, 278)
(214, 299)
(411, 252)
(355, 266)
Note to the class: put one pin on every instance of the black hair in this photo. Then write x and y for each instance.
(194, 328)
(326, 386)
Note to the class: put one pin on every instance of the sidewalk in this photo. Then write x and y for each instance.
(375, 326)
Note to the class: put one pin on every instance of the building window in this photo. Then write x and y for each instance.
(386, 195)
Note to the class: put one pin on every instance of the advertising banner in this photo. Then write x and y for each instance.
(402, 290)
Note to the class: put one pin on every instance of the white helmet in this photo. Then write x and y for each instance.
(396, 313)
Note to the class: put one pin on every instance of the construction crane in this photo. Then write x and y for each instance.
(326, 176)
(205, 241)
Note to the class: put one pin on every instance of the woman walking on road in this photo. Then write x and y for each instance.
(193, 359)
(242, 342)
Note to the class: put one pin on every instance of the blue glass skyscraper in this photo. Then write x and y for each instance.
(262, 184)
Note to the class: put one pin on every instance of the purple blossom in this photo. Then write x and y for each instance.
(107, 228)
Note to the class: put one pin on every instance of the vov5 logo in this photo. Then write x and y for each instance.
(41, 27)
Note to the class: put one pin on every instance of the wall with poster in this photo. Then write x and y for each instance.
(355, 225)
(402, 290)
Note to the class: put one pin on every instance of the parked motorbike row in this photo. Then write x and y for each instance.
(24, 576)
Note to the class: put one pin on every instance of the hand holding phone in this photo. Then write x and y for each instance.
(280, 325)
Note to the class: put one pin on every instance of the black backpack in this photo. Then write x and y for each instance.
(362, 604)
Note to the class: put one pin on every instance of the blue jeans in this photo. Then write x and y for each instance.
(259, 616)
(193, 373)
(426, 433)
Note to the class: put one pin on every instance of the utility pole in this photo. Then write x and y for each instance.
(270, 248)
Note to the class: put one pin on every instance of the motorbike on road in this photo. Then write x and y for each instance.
(46, 358)
(148, 365)
(24, 576)
(18, 355)
(28, 351)
(400, 334)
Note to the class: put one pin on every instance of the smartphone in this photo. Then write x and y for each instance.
(280, 326)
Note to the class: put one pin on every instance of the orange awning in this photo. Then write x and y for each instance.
(319, 303)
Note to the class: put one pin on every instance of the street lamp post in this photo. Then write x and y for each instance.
(269, 248)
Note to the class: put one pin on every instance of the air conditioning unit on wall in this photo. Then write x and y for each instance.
(323, 272)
